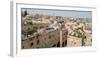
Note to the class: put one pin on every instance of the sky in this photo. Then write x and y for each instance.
(68, 13)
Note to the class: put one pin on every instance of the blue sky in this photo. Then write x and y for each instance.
(68, 13)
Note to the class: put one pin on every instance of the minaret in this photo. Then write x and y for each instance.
(60, 38)
(61, 23)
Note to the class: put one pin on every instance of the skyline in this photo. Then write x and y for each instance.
(68, 13)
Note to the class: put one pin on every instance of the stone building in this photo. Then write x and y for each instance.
(46, 40)
(74, 41)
